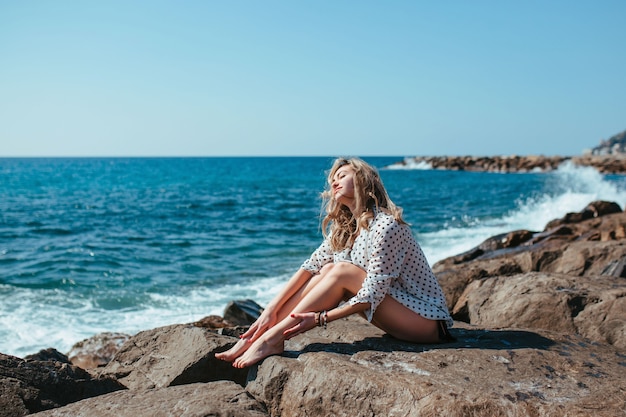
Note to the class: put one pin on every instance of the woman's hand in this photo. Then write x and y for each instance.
(305, 321)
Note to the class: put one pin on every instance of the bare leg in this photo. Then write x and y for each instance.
(342, 281)
(411, 327)
(243, 345)
(343, 278)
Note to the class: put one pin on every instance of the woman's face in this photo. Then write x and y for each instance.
(342, 186)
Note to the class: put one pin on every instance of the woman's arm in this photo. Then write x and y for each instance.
(269, 316)
(307, 320)
(346, 310)
(294, 284)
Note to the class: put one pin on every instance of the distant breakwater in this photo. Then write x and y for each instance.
(606, 164)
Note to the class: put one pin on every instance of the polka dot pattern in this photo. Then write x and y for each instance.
(395, 266)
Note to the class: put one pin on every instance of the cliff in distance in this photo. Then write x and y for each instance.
(615, 145)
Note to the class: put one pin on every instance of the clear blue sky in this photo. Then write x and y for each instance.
(213, 78)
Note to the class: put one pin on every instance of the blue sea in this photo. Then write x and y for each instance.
(128, 244)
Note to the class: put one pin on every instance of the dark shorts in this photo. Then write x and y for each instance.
(444, 333)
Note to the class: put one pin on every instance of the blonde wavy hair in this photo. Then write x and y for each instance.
(340, 225)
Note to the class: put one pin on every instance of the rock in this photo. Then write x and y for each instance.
(454, 276)
(594, 307)
(499, 164)
(96, 351)
(589, 258)
(34, 385)
(353, 369)
(602, 208)
(242, 312)
(592, 248)
(172, 355)
(616, 268)
(49, 354)
(212, 322)
(221, 326)
(594, 209)
(606, 164)
(222, 398)
(494, 243)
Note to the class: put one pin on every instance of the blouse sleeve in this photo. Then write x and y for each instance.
(386, 256)
(323, 255)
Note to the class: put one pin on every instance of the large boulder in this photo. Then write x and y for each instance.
(593, 209)
(47, 355)
(28, 386)
(591, 247)
(242, 312)
(172, 355)
(97, 350)
(594, 307)
(353, 369)
(219, 399)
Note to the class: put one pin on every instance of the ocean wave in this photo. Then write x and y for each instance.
(64, 318)
(568, 189)
(409, 164)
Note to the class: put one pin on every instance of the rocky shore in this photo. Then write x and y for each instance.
(540, 328)
(605, 164)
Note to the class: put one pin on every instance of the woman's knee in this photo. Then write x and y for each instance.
(347, 275)
(339, 269)
(326, 269)
(343, 274)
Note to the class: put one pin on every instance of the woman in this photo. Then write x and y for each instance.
(368, 258)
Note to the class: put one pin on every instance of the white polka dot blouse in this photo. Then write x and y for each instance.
(395, 266)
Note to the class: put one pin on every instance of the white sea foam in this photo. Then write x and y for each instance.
(570, 189)
(410, 163)
(35, 319)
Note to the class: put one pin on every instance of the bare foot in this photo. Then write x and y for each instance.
(259, 350)
(236, 351)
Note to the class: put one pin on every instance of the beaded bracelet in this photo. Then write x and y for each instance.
(323, 319)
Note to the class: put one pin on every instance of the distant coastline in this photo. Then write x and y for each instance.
(609, 157)
(605, 164)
